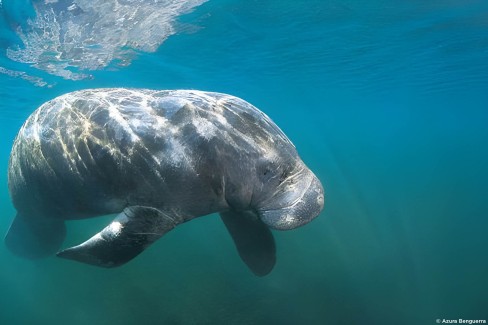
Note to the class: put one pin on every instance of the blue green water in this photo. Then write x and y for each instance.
(386, 101)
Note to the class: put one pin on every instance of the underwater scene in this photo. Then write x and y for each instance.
(384, 222)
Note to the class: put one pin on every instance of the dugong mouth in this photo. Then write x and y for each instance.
(298, 213)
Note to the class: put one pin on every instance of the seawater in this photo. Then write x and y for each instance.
(387, 102)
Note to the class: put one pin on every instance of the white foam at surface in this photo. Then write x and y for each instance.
(69, 38)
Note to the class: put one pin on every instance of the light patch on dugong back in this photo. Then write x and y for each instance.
(170, 104)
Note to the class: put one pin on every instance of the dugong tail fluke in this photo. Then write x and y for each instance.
(253, 239)
(128, 235)
(35, 238)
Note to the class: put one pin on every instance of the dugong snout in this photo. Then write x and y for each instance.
(299, 211)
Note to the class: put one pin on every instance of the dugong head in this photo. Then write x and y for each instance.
(295, 201)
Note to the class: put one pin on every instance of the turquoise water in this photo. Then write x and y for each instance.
(386, 101)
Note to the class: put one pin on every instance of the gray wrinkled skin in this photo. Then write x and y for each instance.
(183, 153)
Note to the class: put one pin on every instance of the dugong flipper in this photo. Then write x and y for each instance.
(157, 159)
(130, 233)
(133, 230)
(253, 239)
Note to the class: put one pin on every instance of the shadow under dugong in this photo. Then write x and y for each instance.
(158, 159)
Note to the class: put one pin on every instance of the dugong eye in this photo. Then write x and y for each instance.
(266, 173)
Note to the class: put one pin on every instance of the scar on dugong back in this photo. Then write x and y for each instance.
(158, 159)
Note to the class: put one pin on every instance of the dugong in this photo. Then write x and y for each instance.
(157, 158)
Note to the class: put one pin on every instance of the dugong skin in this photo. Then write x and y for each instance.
(159, 158)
